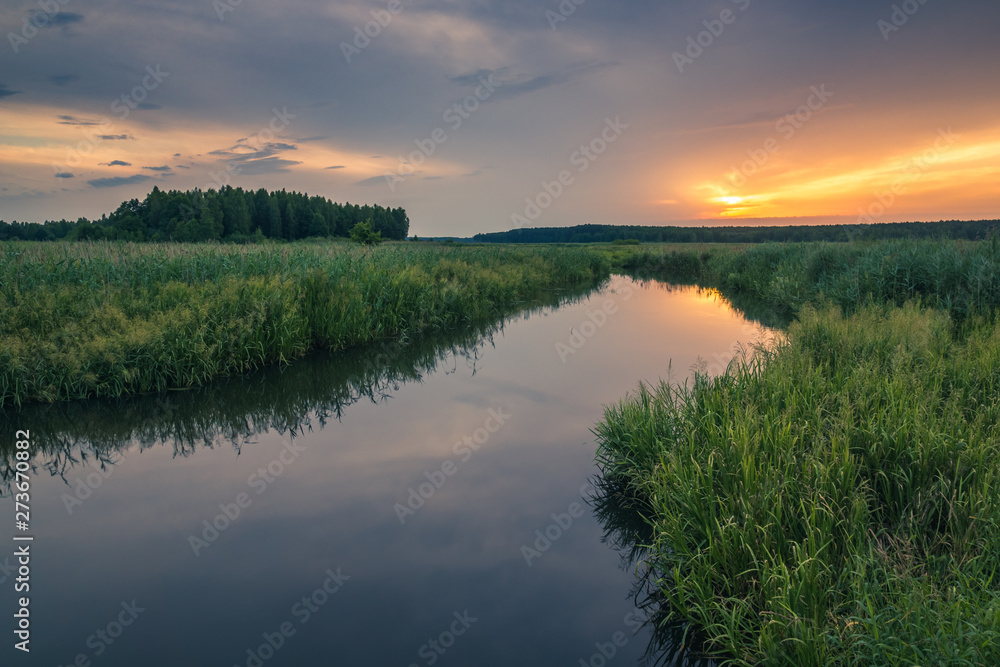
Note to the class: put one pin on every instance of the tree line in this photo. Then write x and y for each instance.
(229, 214)
(950, 229)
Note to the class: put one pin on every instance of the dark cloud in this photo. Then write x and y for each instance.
(149, 106)
(116, 137)
(336, 166)
(64, 174)
(116, 181)
(116, 163)
(162, 168)
(6, 92)
(308, 139)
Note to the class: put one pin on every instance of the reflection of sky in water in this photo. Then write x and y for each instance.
(332, 507)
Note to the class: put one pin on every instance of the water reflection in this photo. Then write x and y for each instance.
(178, 456)
(292, 399)
(621, 513)
(742, 305)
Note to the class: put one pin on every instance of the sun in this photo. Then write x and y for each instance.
(731, 201)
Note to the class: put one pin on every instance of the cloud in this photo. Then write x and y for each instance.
(472, 78)
(374, 180)
(116, 163)
(148, 106)
(308, 139)
(116, 181)
(511, 85)
(336, 166)
(64, 174)
(6, 92)
(253, 160)
(271, 165)
(239, 152)
(115, 137)
(162, 168)
(73, 120)
(62, 19)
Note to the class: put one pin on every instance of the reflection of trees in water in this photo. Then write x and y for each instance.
(622, 513)
(747, 308)
(291, 399)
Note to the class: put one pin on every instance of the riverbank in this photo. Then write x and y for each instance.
(832, 499)
(110, 319)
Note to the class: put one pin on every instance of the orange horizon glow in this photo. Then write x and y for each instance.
(952, 172)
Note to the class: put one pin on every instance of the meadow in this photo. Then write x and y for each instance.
(109, 319)
(833, 499)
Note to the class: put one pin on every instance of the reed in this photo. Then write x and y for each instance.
(957, 276)
(109, 319)
(833, 499)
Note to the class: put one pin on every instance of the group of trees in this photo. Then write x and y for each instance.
(954, 229)
(230, 214)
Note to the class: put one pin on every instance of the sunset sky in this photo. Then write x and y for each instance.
(647, 112)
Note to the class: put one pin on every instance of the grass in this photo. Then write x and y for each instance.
(959, 277)
(833, 499)
(289, 399)
(112, 319)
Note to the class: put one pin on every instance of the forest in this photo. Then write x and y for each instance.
(229, 214)
(799, 233)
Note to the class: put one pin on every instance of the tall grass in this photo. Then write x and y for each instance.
(111, 319)
(834, 499)
(960, 277)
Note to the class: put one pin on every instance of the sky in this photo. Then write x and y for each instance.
(479, 115)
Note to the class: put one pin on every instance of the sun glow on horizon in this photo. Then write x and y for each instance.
(951, 171)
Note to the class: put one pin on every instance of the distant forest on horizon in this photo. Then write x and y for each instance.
(229, 214)
(237, 215)
(952, 229)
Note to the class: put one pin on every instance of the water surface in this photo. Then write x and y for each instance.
(409, 480)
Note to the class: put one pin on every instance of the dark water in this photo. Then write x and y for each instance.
(423, 503)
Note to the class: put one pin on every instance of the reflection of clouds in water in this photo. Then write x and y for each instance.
(335, 508)
(290, 399)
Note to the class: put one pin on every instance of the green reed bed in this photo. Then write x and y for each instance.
(958, 276)
(834, 499)
(111, 319)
